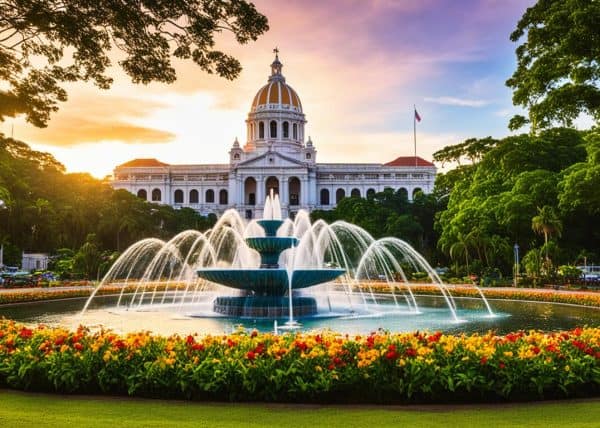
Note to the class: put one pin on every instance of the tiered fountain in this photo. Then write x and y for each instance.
(267, 292)
(273, 269)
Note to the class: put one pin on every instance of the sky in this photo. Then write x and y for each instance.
(359, 67)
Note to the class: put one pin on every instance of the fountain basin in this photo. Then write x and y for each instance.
(269, 282)
(264, 306)
(270, 248)
(270, 226)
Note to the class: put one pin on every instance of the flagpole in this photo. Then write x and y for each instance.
(415, 131)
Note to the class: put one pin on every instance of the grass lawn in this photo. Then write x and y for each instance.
(19, 409)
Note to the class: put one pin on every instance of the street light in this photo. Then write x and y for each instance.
(516, 267)
(2, 206)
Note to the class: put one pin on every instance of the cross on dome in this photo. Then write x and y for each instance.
(276, 67)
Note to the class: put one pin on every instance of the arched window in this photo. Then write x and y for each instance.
(250, 191)
(339, 195)
(370, 193)
(142, 194)
(178, 196)
(156, 195)
(294, 190)
(272, 183)
(273, 129)
(261, 129)
(295, 131)
(324, 197)
(286, 130)
(355, 193)
(193, 196)
(209, 197)
(236, 156)
(403, 193)
(416, 191)
(223, 197)
(308, 156)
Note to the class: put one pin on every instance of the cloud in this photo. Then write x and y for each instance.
(98, 117)
(454, 101)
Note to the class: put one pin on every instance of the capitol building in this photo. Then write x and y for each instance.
(276, 156)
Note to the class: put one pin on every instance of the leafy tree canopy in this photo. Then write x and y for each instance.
(44, 43)
(558, 63)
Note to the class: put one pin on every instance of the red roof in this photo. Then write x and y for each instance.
(141, 163)
(409, 161)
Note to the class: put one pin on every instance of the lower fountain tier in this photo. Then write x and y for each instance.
(268, 282)
(264, 306)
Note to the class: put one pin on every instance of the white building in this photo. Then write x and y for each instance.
(276, 156)
(35, 261)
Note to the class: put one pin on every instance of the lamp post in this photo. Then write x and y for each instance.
(2, 206)
(516, 267)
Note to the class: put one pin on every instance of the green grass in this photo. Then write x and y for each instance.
(19, 409)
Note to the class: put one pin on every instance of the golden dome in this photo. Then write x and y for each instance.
(279, 93)
(276, 94)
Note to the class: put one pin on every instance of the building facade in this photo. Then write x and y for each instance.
(276, 156)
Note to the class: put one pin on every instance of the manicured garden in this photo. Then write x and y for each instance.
(320, 368)
(29, 410)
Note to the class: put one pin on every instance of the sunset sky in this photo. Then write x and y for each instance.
(357, 65)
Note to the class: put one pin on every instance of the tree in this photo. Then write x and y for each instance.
(546, 223)
(35, 37)
(558, 64)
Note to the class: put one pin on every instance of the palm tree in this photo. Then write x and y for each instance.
(546, 223)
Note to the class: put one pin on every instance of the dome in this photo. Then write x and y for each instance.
(276, 95)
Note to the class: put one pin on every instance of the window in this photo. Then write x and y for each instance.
(251, 199)
(324, 197)
(156, 195)
(248, 214)
(339, 195)
(273, 129)
(223, 197)
(417, 191)
(286, 130)
(308, 156)
(261, 130)
(403, 193)
(355, 193)
(178, 196)
(210, 196)
(370, 193)
(295, 131)
(142, 194)
(236, 156)
(193, 196)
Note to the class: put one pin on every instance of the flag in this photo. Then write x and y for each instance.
(417, 117)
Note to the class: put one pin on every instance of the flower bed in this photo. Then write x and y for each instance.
(552, 296)
(378, 368)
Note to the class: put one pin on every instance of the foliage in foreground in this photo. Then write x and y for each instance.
(327, 367)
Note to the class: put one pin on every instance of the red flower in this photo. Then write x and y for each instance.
(78, 346)
(552, 348)
(579, 345)
(119, 344)
(251, 355)
(190, 340)
(501, 365)
(301, 345)
(259, 349)
(535, 350)
(26, 333)
(410, 352)
(59, 340)
(254, 333)
(483, 361)
(198, 347)
(337, 361)
(391, 355)
(434, 337)
(230, 343)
